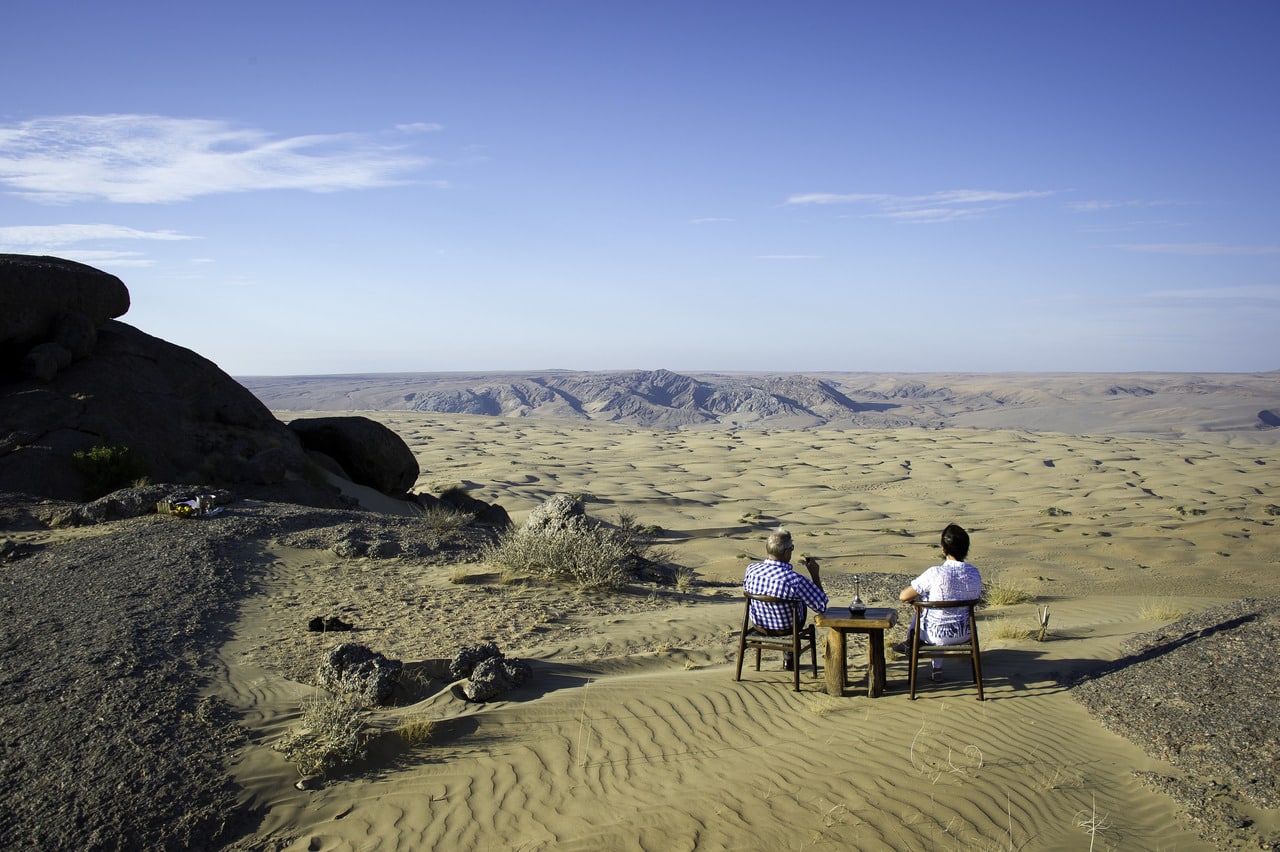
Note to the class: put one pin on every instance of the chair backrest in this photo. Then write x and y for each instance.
(920, 606)
(795, 607)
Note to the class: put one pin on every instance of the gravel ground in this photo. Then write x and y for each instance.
(1203, 694)
(109, 637)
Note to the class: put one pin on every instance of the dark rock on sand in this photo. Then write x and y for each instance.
(459, 500)
(488, 672)
(1203, 694)
(557, 513)
(368, 452)
(466, 659)
(494, 676)
(353, 669)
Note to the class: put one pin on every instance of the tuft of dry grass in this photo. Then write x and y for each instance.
(1162, 609)
(1005, 628)
(417, 730)
(1002, 593)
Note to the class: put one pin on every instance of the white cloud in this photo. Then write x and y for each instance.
(149, 159)
(1198, 248)
(27, 239)
(944, 206)
(103, 258)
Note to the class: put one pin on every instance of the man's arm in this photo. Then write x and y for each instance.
(908, 594)
(811, 565)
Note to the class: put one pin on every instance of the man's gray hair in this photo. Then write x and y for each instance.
(778, 543)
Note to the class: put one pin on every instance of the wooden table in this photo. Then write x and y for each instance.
(839, 621)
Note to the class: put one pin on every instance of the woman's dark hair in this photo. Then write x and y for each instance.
(955, 542)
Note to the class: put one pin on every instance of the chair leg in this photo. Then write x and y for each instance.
(742, 652)
(915, 661)
(795, 658)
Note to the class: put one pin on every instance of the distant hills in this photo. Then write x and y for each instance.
(1167, 404)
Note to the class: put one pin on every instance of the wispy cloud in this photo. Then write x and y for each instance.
(33, 238)
(945, 206)
(1206, 249)
(149, 159)
(1099, 205)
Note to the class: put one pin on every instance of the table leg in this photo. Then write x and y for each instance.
(833, 661)
(875, 654)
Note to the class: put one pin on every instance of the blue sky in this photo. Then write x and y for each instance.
(321, 187)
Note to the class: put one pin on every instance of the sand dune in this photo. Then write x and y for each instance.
(633, 734)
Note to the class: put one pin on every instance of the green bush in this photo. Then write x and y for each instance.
(109, 468)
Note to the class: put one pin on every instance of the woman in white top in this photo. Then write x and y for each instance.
(953, 580)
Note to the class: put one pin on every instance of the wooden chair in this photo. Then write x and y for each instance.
(968, 649)
(793, 643)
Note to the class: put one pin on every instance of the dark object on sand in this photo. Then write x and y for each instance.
(328, 625)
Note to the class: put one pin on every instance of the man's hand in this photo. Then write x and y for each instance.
(811, 565)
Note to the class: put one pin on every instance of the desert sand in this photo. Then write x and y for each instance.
(633, 733)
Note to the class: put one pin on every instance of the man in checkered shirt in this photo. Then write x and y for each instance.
(776, 578)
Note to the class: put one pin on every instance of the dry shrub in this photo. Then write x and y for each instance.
(1002, 593)
(329, 735)
(1162, 609)
(444, 520)
(587, 555)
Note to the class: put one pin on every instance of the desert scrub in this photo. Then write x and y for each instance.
(587, 555)
(109, 468)
(1000, 592)
(445, 521)
(329, 735)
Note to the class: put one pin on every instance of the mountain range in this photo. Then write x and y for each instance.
(1165, 404)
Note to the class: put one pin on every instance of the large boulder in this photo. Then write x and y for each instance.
(368, 452)
(52, 309)
(180, 418)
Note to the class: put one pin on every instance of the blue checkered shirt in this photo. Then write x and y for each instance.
(779, 580)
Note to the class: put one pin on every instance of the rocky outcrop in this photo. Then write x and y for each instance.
(90, 405)
(52, 310)
(151, 410)
(367, 452)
